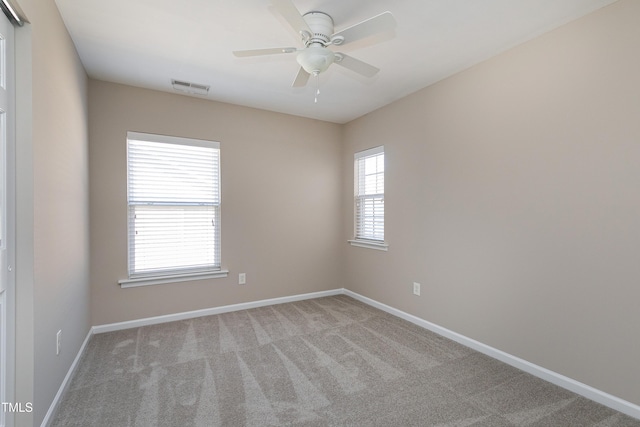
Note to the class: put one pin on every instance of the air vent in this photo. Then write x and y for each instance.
(190, 88)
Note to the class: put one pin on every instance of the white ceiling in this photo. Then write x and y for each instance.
(147, 43)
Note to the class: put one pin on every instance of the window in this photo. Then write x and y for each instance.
(369, 199)
(174, 208)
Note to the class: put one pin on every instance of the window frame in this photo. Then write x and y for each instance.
(359, 240)
(175, 273)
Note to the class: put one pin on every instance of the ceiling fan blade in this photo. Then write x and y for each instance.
(258, 52)
(301, 79)
(290, 13)
(356, 65)
(378, 24)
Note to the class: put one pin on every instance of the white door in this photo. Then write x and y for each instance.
(7, 217)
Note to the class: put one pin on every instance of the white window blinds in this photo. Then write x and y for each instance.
(369, 194)
(174, 205)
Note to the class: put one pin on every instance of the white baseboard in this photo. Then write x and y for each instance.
(209, 311)
(65, 382)
(577, 387)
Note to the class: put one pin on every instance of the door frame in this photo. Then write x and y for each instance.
(8, 216)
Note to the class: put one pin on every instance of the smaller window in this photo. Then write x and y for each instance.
(369, 198)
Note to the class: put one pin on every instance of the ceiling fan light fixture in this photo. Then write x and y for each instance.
(315, 59)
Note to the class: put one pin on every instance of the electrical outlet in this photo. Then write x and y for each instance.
(416, 288)
(58, 342)
(242, 279)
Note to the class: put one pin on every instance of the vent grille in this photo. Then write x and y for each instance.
(191, 88)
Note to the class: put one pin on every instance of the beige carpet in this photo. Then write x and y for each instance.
(324, 362)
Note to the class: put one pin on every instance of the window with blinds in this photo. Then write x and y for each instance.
(369, 195)
(174, 205)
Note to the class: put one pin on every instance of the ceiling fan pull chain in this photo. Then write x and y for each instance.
(317, 75)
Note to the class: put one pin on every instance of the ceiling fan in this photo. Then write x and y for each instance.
(317, 34)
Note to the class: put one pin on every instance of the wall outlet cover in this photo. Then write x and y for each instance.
(58, 341)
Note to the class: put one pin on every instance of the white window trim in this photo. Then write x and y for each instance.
(370, 244)
(160, 279)
(178, 140)
(367, 243)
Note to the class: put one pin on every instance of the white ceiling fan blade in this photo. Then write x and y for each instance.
(258, 52)
(291, 14)
(378, 24)
(301, 79)
(356, 65)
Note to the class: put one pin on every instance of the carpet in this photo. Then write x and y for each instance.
(330, 361)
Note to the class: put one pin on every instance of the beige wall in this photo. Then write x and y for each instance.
(512, 197)
(280, 211)
(53, 217)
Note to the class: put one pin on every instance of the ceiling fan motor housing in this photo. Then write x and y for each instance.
(322, 26)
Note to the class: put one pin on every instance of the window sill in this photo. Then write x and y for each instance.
(160, 280)
(380, 246)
